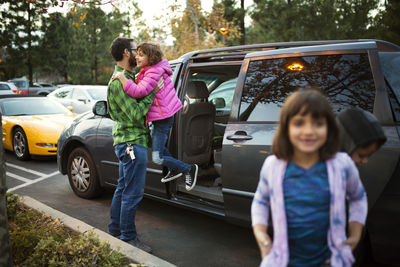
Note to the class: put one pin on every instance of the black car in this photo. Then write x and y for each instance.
(227, 128)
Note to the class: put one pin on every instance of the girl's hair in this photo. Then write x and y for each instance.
(304, 102)
(152, 51)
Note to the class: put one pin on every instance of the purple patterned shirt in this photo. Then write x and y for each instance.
(344, 183)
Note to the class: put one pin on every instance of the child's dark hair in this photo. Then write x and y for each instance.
(304, 102)
(118, 46)
(152, 51)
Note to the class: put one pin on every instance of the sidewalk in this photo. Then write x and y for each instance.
(132, 253)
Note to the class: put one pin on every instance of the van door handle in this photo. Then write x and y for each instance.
(239, 136)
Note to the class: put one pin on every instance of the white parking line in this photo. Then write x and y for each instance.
(25, 169)
(33, 181)
(23, 179)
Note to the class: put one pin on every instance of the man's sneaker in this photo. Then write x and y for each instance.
(171, 175)
(191, 177)
(140, 245)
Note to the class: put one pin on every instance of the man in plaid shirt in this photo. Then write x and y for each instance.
(131, 140)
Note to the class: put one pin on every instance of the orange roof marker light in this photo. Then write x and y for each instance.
(295, 66)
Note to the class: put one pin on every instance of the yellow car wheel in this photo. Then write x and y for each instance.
(20, 144)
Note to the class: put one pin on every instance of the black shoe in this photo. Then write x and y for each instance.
(171, 175)
(191, 177)
(140, 245)
(114, 234)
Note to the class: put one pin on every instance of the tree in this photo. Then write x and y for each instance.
(222, 16)
(56, 44)
(236, 16)
(93, 31)
(21, 33)
(387, 23)
(194, 29)
(355, 17)
(293, 20)
(242, 27)
(186, 28)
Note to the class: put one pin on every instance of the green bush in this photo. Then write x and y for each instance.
(38, 240)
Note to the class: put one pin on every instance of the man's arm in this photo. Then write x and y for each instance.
(144, 87)
(133, 109)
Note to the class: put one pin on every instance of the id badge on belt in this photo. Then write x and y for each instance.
(129, 151)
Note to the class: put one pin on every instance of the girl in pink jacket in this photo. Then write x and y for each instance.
(165, 104)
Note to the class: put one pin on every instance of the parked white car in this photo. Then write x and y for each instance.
(8, 88)
(79, 98)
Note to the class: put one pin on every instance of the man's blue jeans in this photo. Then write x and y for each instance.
(129, 192)
(160, 154)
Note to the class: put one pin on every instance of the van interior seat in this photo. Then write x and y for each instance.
(198, 91)
(198, 125)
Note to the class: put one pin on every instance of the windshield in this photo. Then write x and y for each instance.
(21, 83)
(98, 93)
(32, 106)
(225, 90)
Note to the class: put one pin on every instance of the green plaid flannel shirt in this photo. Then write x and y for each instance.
(129, 114)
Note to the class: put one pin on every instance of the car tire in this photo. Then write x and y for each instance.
(82, 174)
(20, 144)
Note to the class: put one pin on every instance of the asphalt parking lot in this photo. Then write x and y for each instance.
(182, 237)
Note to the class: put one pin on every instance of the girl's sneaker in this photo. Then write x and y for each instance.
(191, 177)
(171, 175)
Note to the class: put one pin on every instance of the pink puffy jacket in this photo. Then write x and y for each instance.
(166, 103)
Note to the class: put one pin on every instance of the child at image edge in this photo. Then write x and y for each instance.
(165, 104)
(306, 183)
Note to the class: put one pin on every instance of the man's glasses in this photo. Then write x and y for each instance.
(132, 49)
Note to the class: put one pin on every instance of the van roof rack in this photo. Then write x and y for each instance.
(238, 52)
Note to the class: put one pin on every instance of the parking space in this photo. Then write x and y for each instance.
(21, 174)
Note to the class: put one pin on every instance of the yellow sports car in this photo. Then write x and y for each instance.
(32, 125)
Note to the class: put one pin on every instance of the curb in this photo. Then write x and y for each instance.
(132, 253)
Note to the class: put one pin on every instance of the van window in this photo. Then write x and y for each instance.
(346, 79)
(215, 78)
(390, 62)
(224, 92)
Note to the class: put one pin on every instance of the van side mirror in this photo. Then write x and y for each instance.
(100, 109)
(218, 102)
